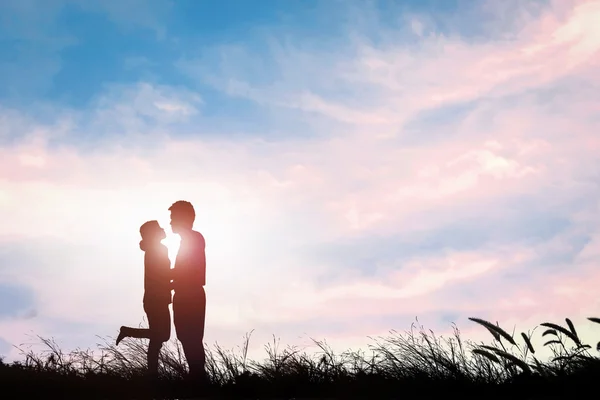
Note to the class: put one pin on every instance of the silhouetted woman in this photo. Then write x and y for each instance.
(157, 294)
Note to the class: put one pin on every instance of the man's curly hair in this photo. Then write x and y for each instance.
(184, 209)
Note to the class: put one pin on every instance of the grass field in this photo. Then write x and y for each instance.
(412, 363)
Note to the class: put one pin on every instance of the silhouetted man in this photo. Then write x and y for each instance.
(189, 278)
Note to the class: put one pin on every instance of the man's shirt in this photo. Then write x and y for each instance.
(190, 265)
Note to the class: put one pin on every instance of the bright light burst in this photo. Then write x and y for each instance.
(172, 243)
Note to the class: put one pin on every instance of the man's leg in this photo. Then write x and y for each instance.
(194, 353)
(189, 315)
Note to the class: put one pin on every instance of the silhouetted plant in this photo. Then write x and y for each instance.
(414, 359)
(566, 358)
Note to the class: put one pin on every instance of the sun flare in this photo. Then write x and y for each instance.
(172, 243)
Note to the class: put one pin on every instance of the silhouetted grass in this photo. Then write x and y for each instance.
(416, 362)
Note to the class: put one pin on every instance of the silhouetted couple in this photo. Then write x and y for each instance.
(187, 279)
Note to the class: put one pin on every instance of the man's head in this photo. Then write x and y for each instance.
(182, 216)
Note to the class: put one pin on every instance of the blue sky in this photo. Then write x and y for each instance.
(362, 162)
(77, 47)
(83, 45)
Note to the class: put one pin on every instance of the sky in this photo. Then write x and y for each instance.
(353, 165)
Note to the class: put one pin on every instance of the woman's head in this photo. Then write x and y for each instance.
(152, 231)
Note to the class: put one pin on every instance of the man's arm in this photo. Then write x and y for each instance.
(199, 263)
(199, 268)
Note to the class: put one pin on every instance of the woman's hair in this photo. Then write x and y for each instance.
(149, 228)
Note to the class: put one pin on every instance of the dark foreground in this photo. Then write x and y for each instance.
(416, 363)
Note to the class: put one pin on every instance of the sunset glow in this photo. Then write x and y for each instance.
(172, 243)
